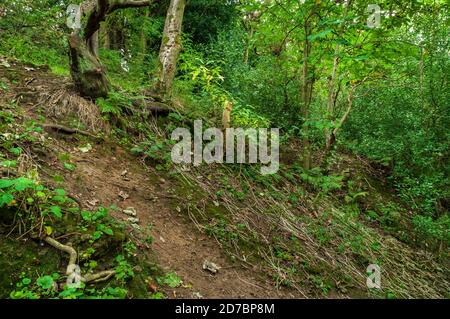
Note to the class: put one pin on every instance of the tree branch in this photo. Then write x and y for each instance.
(122, 4)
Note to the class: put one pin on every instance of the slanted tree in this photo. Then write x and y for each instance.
(86, 69)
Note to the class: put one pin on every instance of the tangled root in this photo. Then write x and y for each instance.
(73, 256)
(65, 102)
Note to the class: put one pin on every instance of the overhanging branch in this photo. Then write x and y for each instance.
(99, 12)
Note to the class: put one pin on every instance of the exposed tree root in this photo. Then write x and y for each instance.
(67, 130)
(72, 266)
(153, 107)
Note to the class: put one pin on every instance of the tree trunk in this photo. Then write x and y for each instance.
(87, 72)
(331, 95)
(170, 48)
(333, 134)
(306, 94)
(248, 44)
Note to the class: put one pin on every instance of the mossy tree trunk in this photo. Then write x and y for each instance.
(88, 73)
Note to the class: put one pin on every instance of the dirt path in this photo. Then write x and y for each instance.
(98, 179)
(179, 246)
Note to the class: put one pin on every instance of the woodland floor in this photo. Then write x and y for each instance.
(109, 175)
(98, 180)
(178, 245)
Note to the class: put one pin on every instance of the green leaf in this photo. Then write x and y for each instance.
(59, 199)
(86, 215)
(106, 230)
(5, 183)
(16, 151)
(9, 164)
(322, 34)
(56, 210)
(40, 194)
(96, 235)
(172, 280)
(45, 282)
(26, 281)
(69, 166)
(60, 192)
(5, 199)
(22, 184)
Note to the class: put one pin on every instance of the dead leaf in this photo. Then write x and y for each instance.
(151, 286)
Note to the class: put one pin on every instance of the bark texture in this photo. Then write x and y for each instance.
(170, 47)
(88, 74)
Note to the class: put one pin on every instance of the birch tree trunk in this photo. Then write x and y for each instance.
(170, 47)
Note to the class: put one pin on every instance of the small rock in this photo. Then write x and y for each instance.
(135, 226)
(93, 202)
(5, 63)
(211, 267)
(130, 211)
(197, 295)
(133, 220)
(123, 195)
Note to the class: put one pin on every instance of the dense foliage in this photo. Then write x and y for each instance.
(317, 69)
